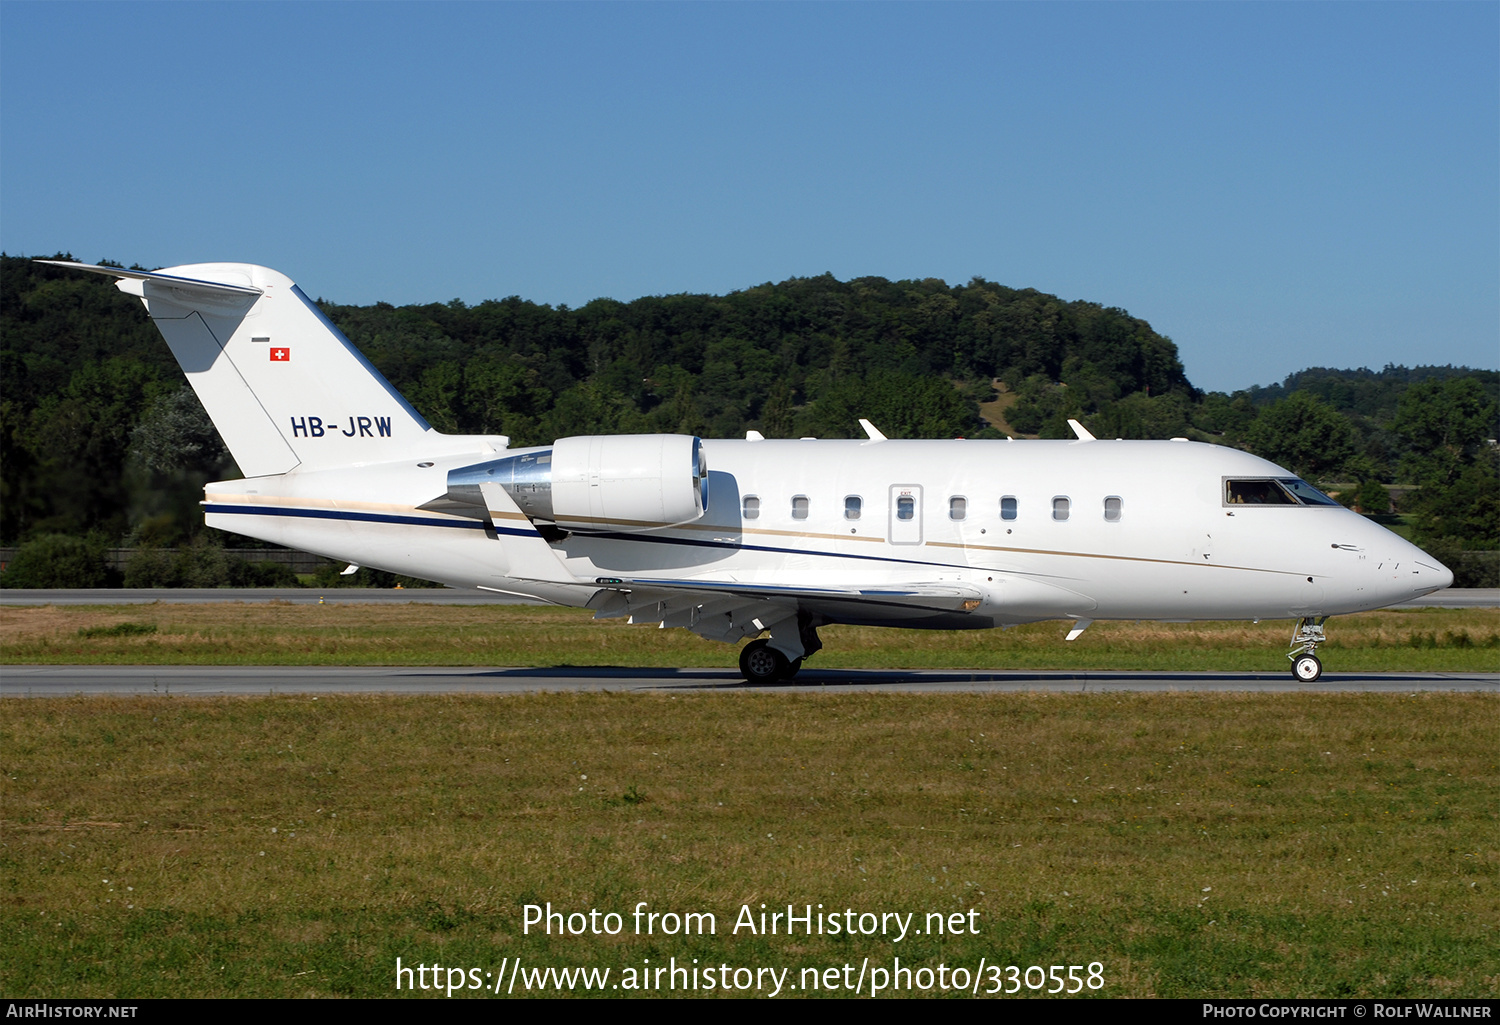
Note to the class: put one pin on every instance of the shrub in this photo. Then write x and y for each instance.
(57, 560)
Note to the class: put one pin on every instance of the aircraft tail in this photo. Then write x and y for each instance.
(283, 386)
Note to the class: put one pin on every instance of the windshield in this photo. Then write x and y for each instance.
(1305, 492)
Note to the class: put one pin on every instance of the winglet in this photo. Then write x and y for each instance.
(871, 430)
(1081, 431)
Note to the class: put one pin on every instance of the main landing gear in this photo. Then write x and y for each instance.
(761, 663)
(1306, 668)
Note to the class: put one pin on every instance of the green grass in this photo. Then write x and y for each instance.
(1196, 845)
(334, 634)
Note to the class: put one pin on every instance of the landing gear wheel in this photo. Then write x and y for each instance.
(1307, 669)
(761, 663)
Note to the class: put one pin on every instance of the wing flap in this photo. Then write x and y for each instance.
(731, 610)
(937, 596)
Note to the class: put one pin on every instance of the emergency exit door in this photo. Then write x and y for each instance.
(906, 514)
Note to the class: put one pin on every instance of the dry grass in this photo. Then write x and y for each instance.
(993, 412)
(416, 634)
(1241, 845)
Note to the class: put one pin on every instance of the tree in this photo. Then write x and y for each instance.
(1302, 434)
(1446, 423)
(900, 404)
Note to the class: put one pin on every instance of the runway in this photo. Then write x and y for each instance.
(1451, 598)
(259, 595)
(217, 681)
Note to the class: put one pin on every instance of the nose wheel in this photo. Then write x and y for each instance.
(1306, 668)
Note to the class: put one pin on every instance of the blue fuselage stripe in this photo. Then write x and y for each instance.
(423, 521)
(342, 514)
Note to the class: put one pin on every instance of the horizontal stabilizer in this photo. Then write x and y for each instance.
(171, 280)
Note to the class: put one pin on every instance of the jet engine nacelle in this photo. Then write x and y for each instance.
(626, 482)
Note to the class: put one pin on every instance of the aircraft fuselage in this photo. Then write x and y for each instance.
(1040, 529)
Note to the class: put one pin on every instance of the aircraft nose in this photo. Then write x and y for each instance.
(1402, 572)
(1443, 577)
(1427, 574)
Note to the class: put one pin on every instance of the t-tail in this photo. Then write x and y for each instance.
(284, 387)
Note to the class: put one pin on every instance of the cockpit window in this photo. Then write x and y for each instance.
(1256, 492)
(1278, 491)
(1305, 492)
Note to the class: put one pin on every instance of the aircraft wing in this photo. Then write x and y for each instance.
(729, 610)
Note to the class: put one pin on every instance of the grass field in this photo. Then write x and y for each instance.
(498, 635)
(1192, 845)
(1187, 845)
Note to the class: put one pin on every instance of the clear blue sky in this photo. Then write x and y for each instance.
(1273, 185)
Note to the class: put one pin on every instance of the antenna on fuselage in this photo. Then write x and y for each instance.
(1081, 431)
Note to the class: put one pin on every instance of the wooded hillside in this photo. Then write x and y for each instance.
(99, 433)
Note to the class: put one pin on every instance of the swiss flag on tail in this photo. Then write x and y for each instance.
(281, 355)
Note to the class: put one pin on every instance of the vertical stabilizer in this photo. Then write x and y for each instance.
(283, 386)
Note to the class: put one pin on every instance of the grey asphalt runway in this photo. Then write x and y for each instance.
(205, 681)
(291, 595)
(1451, 598)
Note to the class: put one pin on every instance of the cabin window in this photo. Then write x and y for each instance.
(852, 506)
(1008, 507)
(1112, 507)
(1060, 506)
(751, 507)
(799, 507)
(958, 507)
(906, 507)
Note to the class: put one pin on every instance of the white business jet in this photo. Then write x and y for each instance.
(735, 539)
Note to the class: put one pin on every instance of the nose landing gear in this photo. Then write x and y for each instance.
(1307, 668)
(1308, 634)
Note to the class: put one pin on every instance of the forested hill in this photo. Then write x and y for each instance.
(99, 433)
(794, 357)
(1366, 392)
